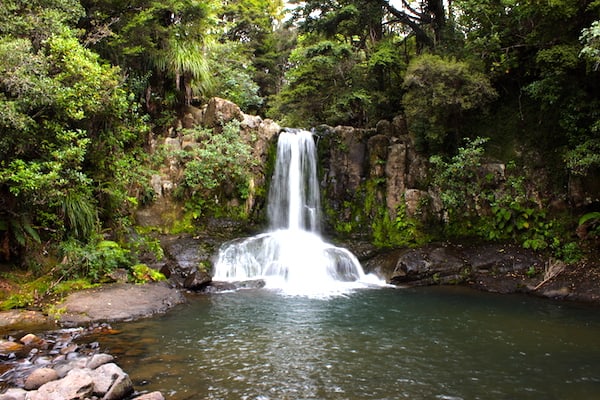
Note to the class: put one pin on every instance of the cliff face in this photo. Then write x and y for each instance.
(372, 169)
(254, 131)
(373, 181)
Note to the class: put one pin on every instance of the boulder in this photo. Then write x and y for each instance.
(78, 384)
(9, 348)
(32, 340)
(40, 377)
(192, 116)
(173, 143)
(220, 286)
(220, 111)
(111, 382)
(196, 280)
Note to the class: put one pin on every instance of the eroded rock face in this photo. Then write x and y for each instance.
(381, 165)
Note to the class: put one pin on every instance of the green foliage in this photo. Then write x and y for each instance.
(66, 287)
(144, 274)
(233, 76)
(531, 272)
(64, 116)
(38, 19)
(590, 37)
(80, 214)
(169, 36)
(216, 169)
(438, 92)
(569, 252)
(591, 221)
(459, 180)
(317, 84)
(511, 216)
(30, 292)
(593, 217)
(518, 219)
(143, 242)
(94, 260)
(36, 291)
(585, 156)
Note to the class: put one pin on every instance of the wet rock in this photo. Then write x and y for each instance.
(40, 377)
(22, 320)
(220, 286)
(250, 284)
(489, 265)
(32, 340)
(118, 302)
(196, 280)
(11, 349)
(186, 255)
(65, 373)
(150, 396)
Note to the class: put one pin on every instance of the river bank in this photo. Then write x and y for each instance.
(500, 268)
(490, 267)
(52, 364)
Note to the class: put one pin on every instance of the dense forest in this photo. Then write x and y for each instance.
(87, 85)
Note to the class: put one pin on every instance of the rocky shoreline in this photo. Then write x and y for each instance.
(491, 267)
(53, 366)
(50, 364)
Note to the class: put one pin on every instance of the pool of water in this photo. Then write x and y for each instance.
(428, 343)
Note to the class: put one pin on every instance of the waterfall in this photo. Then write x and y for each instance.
(294, 199)
(291, 256)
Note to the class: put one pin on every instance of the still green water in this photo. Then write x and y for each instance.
(429, 343)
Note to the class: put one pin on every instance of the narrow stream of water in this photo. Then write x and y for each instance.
(430, 343)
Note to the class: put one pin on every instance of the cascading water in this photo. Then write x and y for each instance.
(292, 256)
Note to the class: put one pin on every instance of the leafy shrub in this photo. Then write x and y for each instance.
(458, 180)
(438, 92)
(144, 274)
(94, 260)
(219, 166)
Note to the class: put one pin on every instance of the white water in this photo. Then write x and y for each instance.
(292, 256)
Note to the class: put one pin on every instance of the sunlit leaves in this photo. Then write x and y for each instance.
(590, 37)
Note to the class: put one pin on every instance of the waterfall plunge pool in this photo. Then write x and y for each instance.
(386, 343)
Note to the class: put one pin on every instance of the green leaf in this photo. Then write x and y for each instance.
(589, 216)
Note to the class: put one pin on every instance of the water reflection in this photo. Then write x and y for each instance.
(372, 344)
